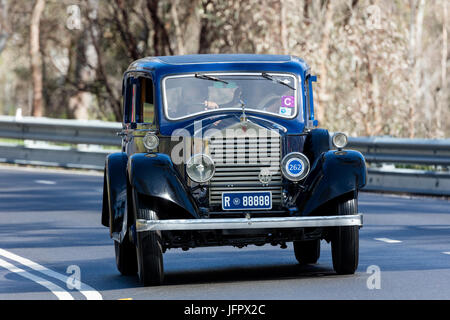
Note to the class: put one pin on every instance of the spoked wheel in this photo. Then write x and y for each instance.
(307, 252)
(345, 241)
(125, 257)
(149, 251)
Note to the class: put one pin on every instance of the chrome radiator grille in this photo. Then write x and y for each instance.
(239, 162)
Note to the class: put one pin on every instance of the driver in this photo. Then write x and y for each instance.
(194, 98)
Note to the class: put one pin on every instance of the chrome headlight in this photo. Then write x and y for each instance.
(200, 168)
(151, 141)
(295, 166)
(339, 140)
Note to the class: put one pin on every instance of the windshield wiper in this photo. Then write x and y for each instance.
(205, 77)
(269, 77)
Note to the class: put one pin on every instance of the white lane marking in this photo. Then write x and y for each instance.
(89, 292)
(59, 292)
(446, 252)
(45, 181)
(387, 240)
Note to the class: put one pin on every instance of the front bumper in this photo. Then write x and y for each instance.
(249, 223)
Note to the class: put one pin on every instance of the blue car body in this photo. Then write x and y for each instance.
(139, 177)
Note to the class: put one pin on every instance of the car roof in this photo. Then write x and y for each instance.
(223, 58)
(207, 61)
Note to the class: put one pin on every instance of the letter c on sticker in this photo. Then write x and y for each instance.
(288, 101)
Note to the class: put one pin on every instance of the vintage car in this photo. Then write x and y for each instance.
(224, 150)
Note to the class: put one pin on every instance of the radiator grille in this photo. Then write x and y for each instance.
(239, 162)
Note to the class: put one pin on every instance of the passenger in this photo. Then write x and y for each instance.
(265, 96)
(274, 103)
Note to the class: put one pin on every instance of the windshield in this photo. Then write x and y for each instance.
(273, 93)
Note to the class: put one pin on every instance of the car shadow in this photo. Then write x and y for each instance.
(248, 273)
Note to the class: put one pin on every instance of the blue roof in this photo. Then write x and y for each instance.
(223, 58)
(228, 61)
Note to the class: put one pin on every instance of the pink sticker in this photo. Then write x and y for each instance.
(288, 101)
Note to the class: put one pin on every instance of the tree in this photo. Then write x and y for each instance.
(5, 29)
(443, 99)
(382, 65)
(36, 60)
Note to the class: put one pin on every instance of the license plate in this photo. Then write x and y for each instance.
(243, 200)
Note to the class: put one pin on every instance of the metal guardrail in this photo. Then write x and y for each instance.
(60, 130)
(80, 144)
(76, 143)
(383, 153)
(407, 151)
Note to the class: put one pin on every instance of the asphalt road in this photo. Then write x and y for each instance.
(50, 232)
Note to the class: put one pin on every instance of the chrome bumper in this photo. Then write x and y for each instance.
(249, 223)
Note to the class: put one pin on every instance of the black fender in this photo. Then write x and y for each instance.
(114, 209)
(159, 184)
(316, 143)
(333, 174)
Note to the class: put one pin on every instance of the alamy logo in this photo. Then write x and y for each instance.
(236, 145)
(74, 280)
(374, 280)
(373, 17)
(74, 17)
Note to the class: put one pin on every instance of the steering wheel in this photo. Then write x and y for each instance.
(268, 101)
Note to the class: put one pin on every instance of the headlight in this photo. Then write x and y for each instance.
(295, 166)
(339, 140)
(151, 141)
(200, 168)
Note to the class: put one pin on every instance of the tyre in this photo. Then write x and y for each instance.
(345, 241)
(125, 257)
(307, 252)
(149, 252)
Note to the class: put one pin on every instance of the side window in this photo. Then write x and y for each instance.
(147, 110)
(310, 121)
(307, 101)
(138, 100)
(134, 101)
(127, 100)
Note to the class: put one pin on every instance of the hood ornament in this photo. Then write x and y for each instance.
(243, 116)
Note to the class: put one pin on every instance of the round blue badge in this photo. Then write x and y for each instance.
(295, 167)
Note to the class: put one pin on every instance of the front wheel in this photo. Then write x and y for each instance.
(149, 252)
(345, 241)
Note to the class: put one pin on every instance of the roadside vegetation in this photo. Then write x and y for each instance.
(382, 65)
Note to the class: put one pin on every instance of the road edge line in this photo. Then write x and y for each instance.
(89, 292)
(59, 292)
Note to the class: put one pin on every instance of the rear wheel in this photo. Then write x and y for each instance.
(345, 241)
(125, 251)
(149, 251)
(307, 252)
(125, 257)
